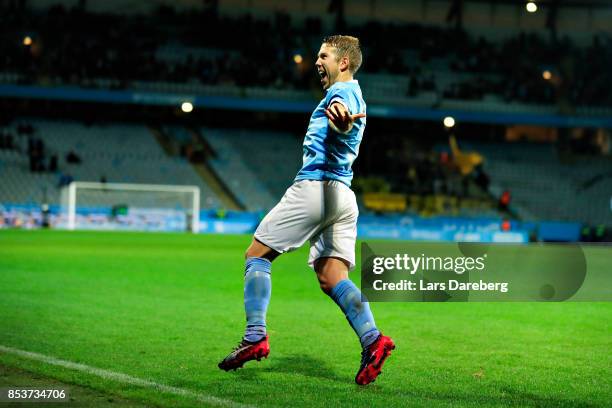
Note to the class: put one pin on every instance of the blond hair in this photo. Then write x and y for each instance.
(346, 46)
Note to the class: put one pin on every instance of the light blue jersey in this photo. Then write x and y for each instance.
(329, 155)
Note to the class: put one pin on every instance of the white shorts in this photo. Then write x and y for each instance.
(324, 212)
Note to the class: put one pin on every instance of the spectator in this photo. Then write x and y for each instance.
(72, 158)
(53, 163)
(504, 201)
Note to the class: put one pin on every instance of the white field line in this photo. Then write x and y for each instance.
(123, 378)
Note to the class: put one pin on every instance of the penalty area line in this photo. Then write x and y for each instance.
(123, 378)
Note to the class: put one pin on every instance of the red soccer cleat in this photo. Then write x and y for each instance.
(373, 358)
(245, 351)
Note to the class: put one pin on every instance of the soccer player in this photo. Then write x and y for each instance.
(319, 207)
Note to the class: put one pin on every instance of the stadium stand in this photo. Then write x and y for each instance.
(257, 166)
(545, 187)
(113, 152)
(407, 62)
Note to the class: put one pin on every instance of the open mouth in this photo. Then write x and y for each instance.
(322, 75)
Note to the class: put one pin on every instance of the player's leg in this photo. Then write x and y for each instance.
(273, 232)
(332, 255)
(257, 289)
(332, 273)
(333, 279)
(286, 227)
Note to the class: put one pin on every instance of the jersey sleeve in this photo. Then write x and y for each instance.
(344, 96)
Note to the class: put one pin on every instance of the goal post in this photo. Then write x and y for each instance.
(145, 206)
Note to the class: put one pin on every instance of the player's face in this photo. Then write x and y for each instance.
(327, 65)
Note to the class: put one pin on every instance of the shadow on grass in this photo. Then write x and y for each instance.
(305, 365)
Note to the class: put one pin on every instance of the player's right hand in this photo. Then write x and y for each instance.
(340, 119)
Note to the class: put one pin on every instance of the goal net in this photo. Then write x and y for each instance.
(125, 206)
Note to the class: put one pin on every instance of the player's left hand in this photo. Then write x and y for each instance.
(340, 118)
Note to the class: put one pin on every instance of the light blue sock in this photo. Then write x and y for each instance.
(257, 291)
(358, 313)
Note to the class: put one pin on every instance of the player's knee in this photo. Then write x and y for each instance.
(259, 250)
(325, 285)
(253, 251)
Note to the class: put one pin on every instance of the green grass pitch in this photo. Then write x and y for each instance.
(167, 307)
